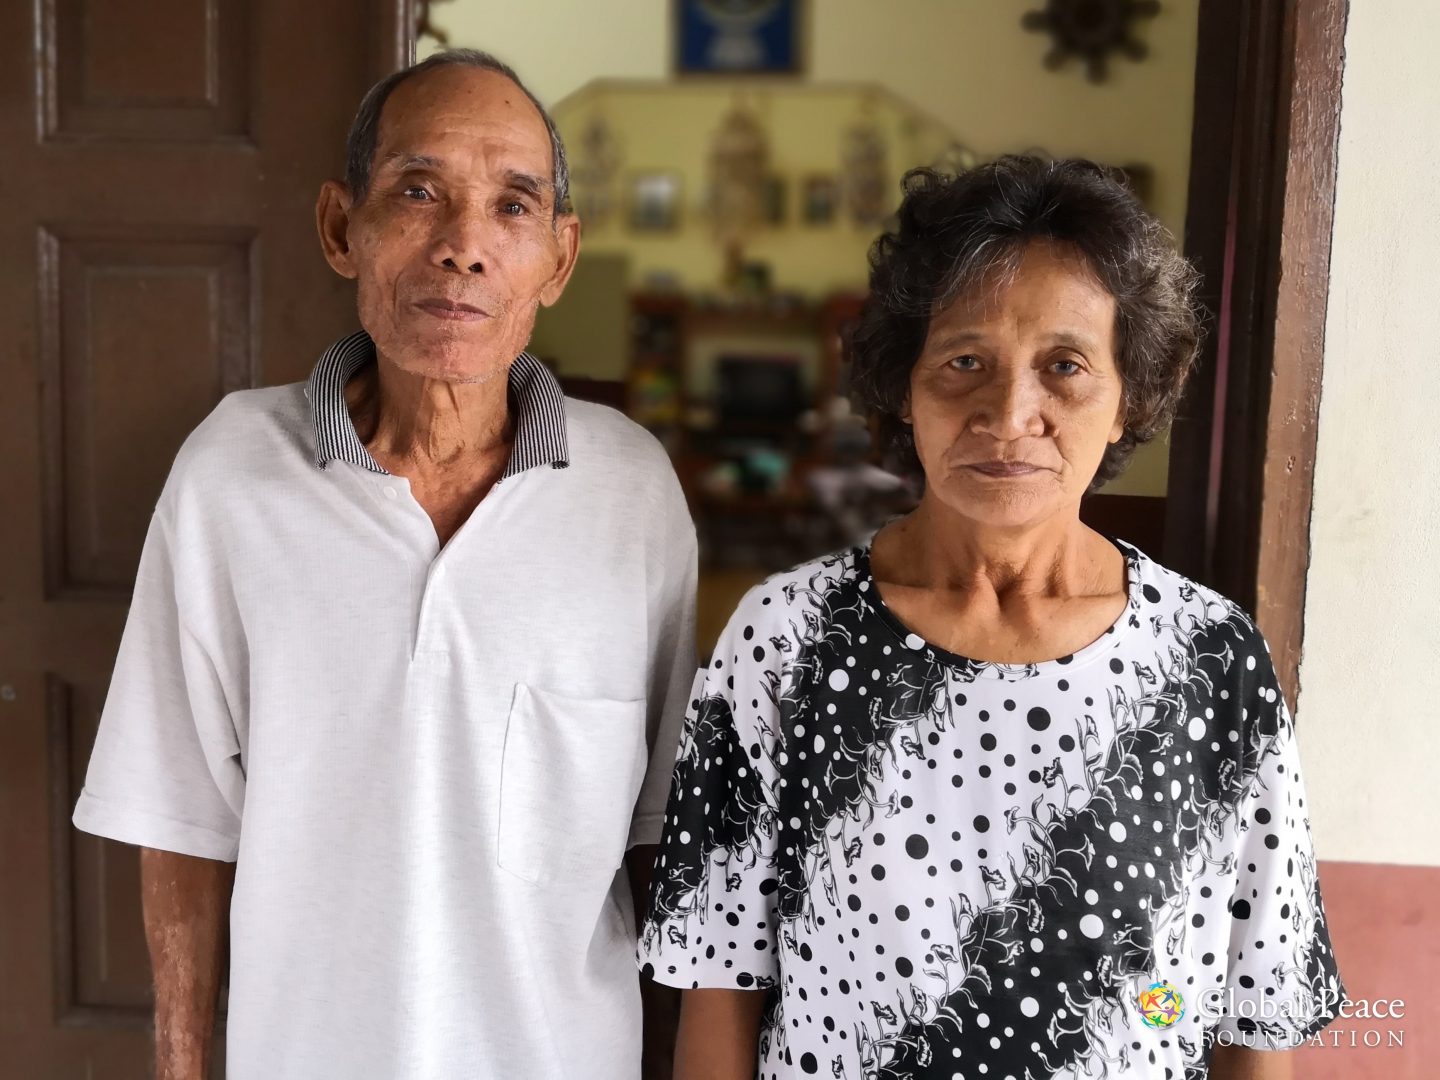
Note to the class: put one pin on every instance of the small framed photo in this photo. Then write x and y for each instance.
(1140, 179)
(737, 37)
(821, 197)
(654, 201)
(775, 200)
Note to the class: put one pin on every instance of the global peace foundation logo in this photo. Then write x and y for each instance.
(1161, 1005)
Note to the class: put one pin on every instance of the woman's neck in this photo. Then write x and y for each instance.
(936, 548)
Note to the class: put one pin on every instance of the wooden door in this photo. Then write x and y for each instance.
(159, 161)
(1258, 226)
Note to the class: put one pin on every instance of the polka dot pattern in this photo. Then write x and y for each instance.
(949, 868)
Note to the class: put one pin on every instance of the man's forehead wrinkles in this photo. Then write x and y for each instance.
(462, 110)
(529, 182)
(437, 151)
(408, 160)
(419, 133)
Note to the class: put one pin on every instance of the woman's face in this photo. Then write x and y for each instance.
(1017, 393)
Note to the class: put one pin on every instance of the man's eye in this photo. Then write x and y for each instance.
(515, 209)
(1066, 367)
(965, 363)
(417, 193)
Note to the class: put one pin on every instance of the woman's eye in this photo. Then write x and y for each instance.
(965, 363)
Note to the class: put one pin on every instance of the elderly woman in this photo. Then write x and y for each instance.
(997, 796)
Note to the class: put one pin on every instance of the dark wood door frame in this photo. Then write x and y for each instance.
(157, 250)
(1261, 202)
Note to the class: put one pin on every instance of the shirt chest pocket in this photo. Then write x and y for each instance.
(569, 777)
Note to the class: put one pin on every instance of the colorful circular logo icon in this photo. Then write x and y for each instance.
(1161, 1005)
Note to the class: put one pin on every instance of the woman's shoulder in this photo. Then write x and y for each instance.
(803, 587)
(1170, 594)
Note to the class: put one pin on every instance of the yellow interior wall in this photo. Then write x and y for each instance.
(966, 63)
(666, 127)
(588, 331)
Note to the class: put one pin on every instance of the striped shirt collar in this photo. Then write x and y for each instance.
(539, 405)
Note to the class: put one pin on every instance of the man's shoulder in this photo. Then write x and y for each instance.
(602, 434)
(243, 435)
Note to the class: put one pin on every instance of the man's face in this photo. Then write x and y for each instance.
(456, 244)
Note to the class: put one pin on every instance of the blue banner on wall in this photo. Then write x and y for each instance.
(737, 37)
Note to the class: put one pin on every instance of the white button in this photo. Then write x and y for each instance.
(389, 492)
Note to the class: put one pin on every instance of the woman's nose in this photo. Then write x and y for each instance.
(1009, 409)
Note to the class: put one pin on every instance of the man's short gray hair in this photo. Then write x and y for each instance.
(364, 134)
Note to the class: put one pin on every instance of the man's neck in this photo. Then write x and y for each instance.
(417, 426)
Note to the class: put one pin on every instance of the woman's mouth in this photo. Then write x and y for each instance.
(1004, 470)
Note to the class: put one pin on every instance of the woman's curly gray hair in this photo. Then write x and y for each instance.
(954, 234)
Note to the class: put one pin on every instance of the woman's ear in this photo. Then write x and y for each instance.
(1118, 428)
(332, 221)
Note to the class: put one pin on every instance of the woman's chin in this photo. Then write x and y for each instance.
(1007, 504)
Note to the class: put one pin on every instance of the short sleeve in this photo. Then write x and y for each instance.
(1282, 984)
(712, 916)
(671, 623)
(165, 771)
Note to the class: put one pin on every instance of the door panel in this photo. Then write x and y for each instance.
(117, 304)
(157, 251)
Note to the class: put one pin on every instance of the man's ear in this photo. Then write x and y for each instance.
(332, 220)
(567, 237)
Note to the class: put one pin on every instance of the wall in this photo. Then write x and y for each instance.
(1371, 673)
(591, 319)
(968, 64)
(668, 127)
(1369, 709)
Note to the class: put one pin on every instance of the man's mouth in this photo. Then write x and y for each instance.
(442, 308)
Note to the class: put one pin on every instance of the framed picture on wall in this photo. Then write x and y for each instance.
(1141, 180)
(775, 201)
(654, 201)
(820, 197)
(737, 37)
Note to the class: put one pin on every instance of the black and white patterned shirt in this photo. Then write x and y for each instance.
(945, 868)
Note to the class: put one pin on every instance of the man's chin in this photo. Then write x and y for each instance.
(464, 355)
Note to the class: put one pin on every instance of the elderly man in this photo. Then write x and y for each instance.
(406, 652)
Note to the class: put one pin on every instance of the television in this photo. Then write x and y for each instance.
(759, 388)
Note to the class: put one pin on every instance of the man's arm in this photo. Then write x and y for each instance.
(187, 905)
(1241, 1063)
(659, 1004)
(719, 1034)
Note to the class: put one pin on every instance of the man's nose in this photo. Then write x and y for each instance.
(460, 243)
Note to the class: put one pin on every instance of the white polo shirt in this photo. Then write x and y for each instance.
(427, 763)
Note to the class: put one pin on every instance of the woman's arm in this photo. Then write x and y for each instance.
(719, 1034)
(1240, 1063)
